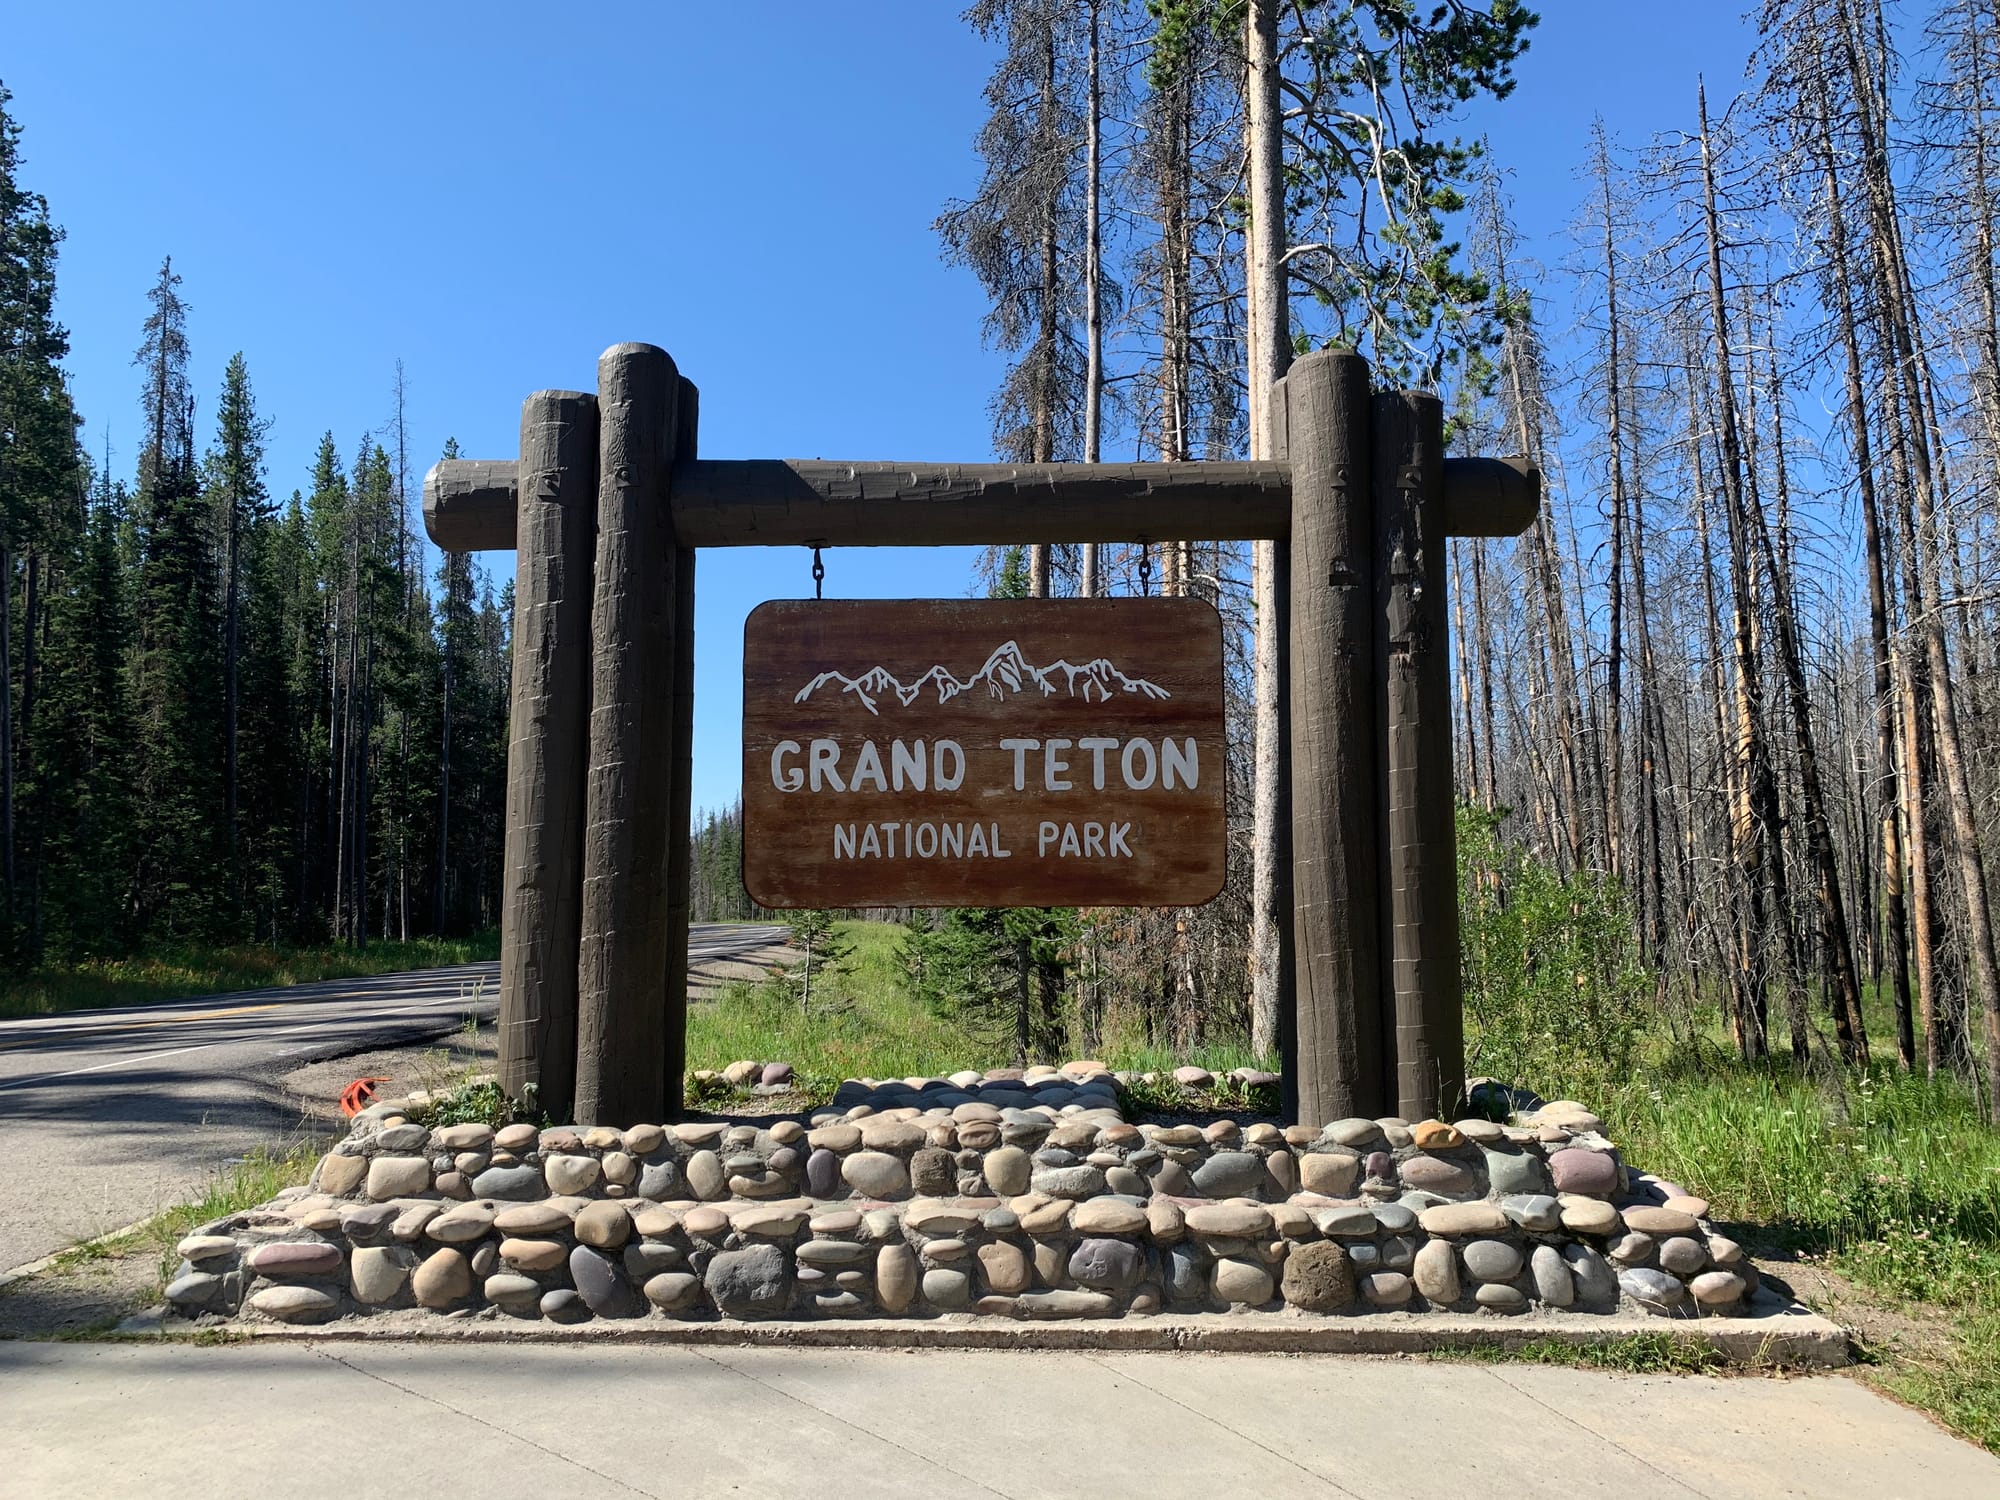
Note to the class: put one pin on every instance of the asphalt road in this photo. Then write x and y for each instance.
(107, 1116)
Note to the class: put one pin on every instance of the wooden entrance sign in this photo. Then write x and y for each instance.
(982, 752)
(608, 504)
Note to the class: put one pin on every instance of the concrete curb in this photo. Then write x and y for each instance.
(1778, 1334)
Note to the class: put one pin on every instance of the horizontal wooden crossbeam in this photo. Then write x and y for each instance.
(470, 504)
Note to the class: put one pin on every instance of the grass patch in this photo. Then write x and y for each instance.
(180, 973)
(1638, 1354)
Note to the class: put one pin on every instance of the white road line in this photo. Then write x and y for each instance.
(122, 1062)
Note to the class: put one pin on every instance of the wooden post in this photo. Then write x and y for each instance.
(1339, 1057)
(680, 849)
(1419, 875)
(623, 958)
(547, 735)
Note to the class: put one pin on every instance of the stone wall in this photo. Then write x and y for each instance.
(981, 1194)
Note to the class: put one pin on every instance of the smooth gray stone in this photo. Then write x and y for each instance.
(368, 1223)
(1065, 1304)
(516, 1184)
(1349, 1221)
(1515, 1172)
(1536, 1211)
(1553, 1283)
(1655, 1291)
(1000, 1221)
(659, 1179)
(1497, 1296)
(601, 1284)
(1596, 1282)
(1107, 1265)
(1186, 1281)
(194, 1289)
(1068, 1182)
(1055, 1156)
(947, 1289)
(1365, 1255)
(822, 1173)
(563, 1305)
(836, 1254)
(755, 1280)
(1491, 1260)
(1399, 1253)
(645, 1259)
(1394, 1217)
(1230, 1174)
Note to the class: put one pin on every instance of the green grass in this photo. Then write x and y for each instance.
(182, 972)
(1637, 1354)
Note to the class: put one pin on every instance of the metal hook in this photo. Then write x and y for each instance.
(819, 573)
(1145, 568)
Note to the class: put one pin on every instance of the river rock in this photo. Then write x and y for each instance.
(1491, 1260)
(1579, 1171)
(705, 1177)
(1007, 1170)
(341, 1175)
(1515, 1172)
(516, 1183)
(1230, 1221)
(1718, 1288)
(377, 1274)
(571, 1174)
(295, 1304)
(1005, 1268)
(1631, 1249)
(1535, 1212)
(1659, 1222)
(289, 1260)
(1242, 1282)
(1596, 1282)
(1463, 1219)
(895, 1277)
(875, 1174)
(1435, 1271)
(1386, 1288)
(1655, 1291)
(1589, 1216)
(1108, 1216)
(1064, 1304)
(398, 1177)
(1497, 1296)
(1107, 1265)
(1329, 1173)
(1683, 1255)
(196, 1289)
(1553, 1283)
(947, 1289)
(1434, 1174)
(443, 1280)
(673, 1291)
(604, 1226)
(1229, 1174)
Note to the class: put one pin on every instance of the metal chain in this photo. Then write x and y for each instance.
(819, 574)
(1145, 570)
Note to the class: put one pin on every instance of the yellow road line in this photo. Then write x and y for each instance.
(91, 1031)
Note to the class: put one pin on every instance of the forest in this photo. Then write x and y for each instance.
(228, 717)
(1735, 680)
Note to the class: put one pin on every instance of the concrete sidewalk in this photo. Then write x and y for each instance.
(395, 1420)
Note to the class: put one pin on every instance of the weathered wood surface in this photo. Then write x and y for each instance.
(623, 959)
(680, 849)
(1337, 1063)
(547, 738)
(1280, 826)
(783, 502)
(1050, 675)
(1419, 875)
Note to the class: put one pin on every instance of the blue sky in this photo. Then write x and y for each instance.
(493, 193)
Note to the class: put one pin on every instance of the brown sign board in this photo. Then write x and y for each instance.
(983, 752)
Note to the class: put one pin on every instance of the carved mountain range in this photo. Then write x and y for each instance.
(1007, 674)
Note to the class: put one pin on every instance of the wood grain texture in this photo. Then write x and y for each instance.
(623, 1021)
(972, 674)
(680, 850)
(468, 504)
(1419, 874)
(1337, 1062)
(1278, 415)
(547, 738)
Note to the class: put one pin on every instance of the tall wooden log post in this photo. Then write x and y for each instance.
(547, 737)
(680, 845)
(623, 1024)
(1338, 1057)
(1423, 996)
